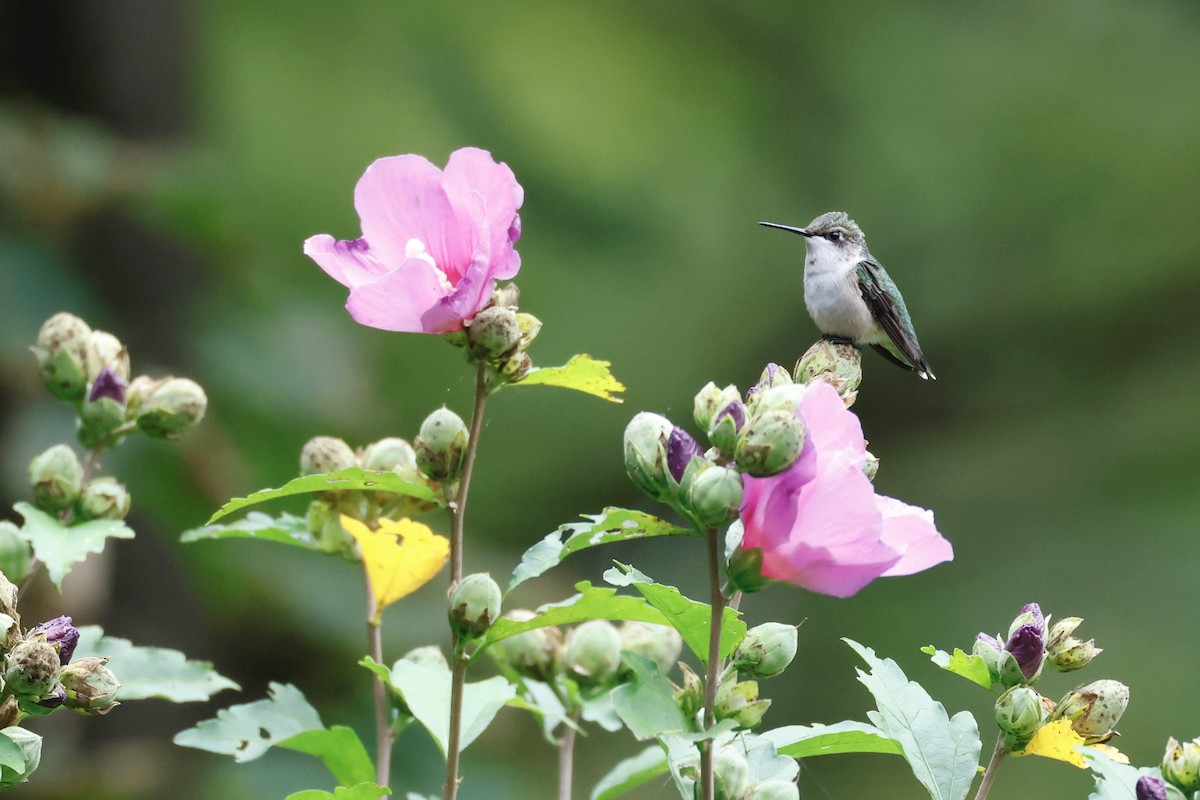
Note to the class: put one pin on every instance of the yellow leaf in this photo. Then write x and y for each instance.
(399, 557)
(582, 373)
(1057, 740)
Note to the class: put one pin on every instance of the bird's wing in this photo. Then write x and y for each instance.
(887, 306)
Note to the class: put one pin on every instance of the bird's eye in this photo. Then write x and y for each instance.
(835, 236)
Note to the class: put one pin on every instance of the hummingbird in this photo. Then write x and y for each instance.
(849, 294)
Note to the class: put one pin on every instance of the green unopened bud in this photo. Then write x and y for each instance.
(1181, 765)
(738, 701)
(745, 570)
(441, 445)
(689, 697)
(838, 364)
(530, 327)
(1094, 709)
(991, 650)
(474, 604)
(507, 295)
(11, 633)
(139, 389)
(57, 478)
(106, 351)
(427, 654)
(770, 443)
(772, 375)
(322, 454)
(661, 644)
(593, 653)
(392, 454)
(174, 407)
(780, 397)
(774, 789)
(493, 333)
(710, 401)
(1019, 713)
(766, 650)
(646, 439)
(14, 557)
(731, 772)
(715, 495)
(871, 466)
(31, 748)
(536, 653)
(90, 685)
(61, 351)
(516, 366)
(31, 668)
(104, 498)
(1067, 653)
(325, 526)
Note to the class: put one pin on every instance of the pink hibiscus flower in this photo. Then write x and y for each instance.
(434, 242)
(820, 524)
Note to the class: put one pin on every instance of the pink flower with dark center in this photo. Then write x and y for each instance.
(820, 524)
(434, 242)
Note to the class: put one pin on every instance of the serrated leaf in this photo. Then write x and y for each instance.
(1117, 781)
(247, 731)
(400, 556)
(645, 702)
(359, 791)
(581, 373)
(60, 546)
(971, 667)
(610, 525)
(592, 602)
(344, 480)
(942, 752)
(285, 529)
(146, 672)
(805, 741)
(340, 749)
(630, 773)
(685, 615)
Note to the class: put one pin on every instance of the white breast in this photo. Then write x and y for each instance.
(831, 293)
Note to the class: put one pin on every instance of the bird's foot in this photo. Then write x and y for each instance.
(829, 337)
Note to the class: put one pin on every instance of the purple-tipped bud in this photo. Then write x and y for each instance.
(62, 634)
(1150, 788)
(681, 449)
(992, 642)
(991, 650)
(1027, 647)
(1031, 614)
(735, 411)
(58, 696)
(108, 384)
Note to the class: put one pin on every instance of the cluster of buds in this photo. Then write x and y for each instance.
(733, 778)
(499, 335)
(1181, 765)
(57, 478)
(1016, 663)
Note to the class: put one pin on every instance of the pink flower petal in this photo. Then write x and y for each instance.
(408, 299)
(910, 530)
(350, 263)
(472, 172)
(833, 428)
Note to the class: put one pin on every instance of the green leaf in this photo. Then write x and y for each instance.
(631, 773)
(246, 731)
(425, 688)
(14, 552)
(344, 480)
(1116, 781)
(341, 750)
(687, 616)
(971, 667)
(359, 791)
(60, 546)
(152, 671)
(942, 752)
(592, 602)
(804, 741)
(646, 701)
(610, 525)
(581, 373)
(285, 529)
(12, 757)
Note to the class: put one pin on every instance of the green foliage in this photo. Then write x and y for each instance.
(351, 479)
(1116, 781)
(645, 702)
(630, 773)
(592, 602)
(581, 373)
(805, 741)
(285, 529)
(942, 752)
(60, 546)
(610, 525)
(341, 750)
(14, 552)
(146, 672)
(247, 731)
(12, 757)
(360, 791)
(971, 667)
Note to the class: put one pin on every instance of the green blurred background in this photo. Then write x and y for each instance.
(1028, 172)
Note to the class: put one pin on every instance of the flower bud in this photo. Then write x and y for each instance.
(681, 451)
(31, 747)
(61, 352)
(1181, 765)
(507, 296)
(8, 606)
(322, 454)
(175, 406)
(57, 478)
(1065, 652)
(774, 789)
(715, 495)
(731, 773)
(1019, 713)
(104, 498)
(661, 644)
(104, 405)
(392, 454)
(474, 604)
(441, 446)
(426, 654)
(781, 397)
(766, 650)
(646, 438)
(772, 375)
(31, 668)
(493, 333)
(91, 686)
(770, 443)
(738, 701)
(710, 401)
(593, 653)
(1031, 615)
(60, 634)
(690, 696)
(991, 650)
(871, 466)
(530, 327)
(745, 570)
(1024, 655)
(105, 351)
(136, 393)
(725, 427)
(1094, 709)
(838, 364)
(1149, 787)
(536, 653)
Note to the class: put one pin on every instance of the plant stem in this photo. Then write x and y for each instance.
(707, 784)
(458, 513)
(383, 727)
(989, 774)
(566, 758)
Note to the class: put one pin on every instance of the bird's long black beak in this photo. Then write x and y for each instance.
(802, 231)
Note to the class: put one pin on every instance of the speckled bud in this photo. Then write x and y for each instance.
(8, 606)
(103, 407)
(91, 686)
(136, 393)
(392, 454)
(772, 375)
(839, 365)
(710, 401)
(530, 327)
(507, 296)
(1019, 713)
(766, 650)
(31, 748)
(57, 478)
(593, 653)
(871, 466)
(173, 408)
(474, 604)
(31, 668)
(725, 427)
(441, 446)
(493, 333)
(646, 438)
(535, 653)
(103, 498)
(61, 352)
(1094, 709)
(322, 454)
(661, 644)
(714, 496)
(1181, 765)
(105, 351)
(1067, 653)
(769, 443)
